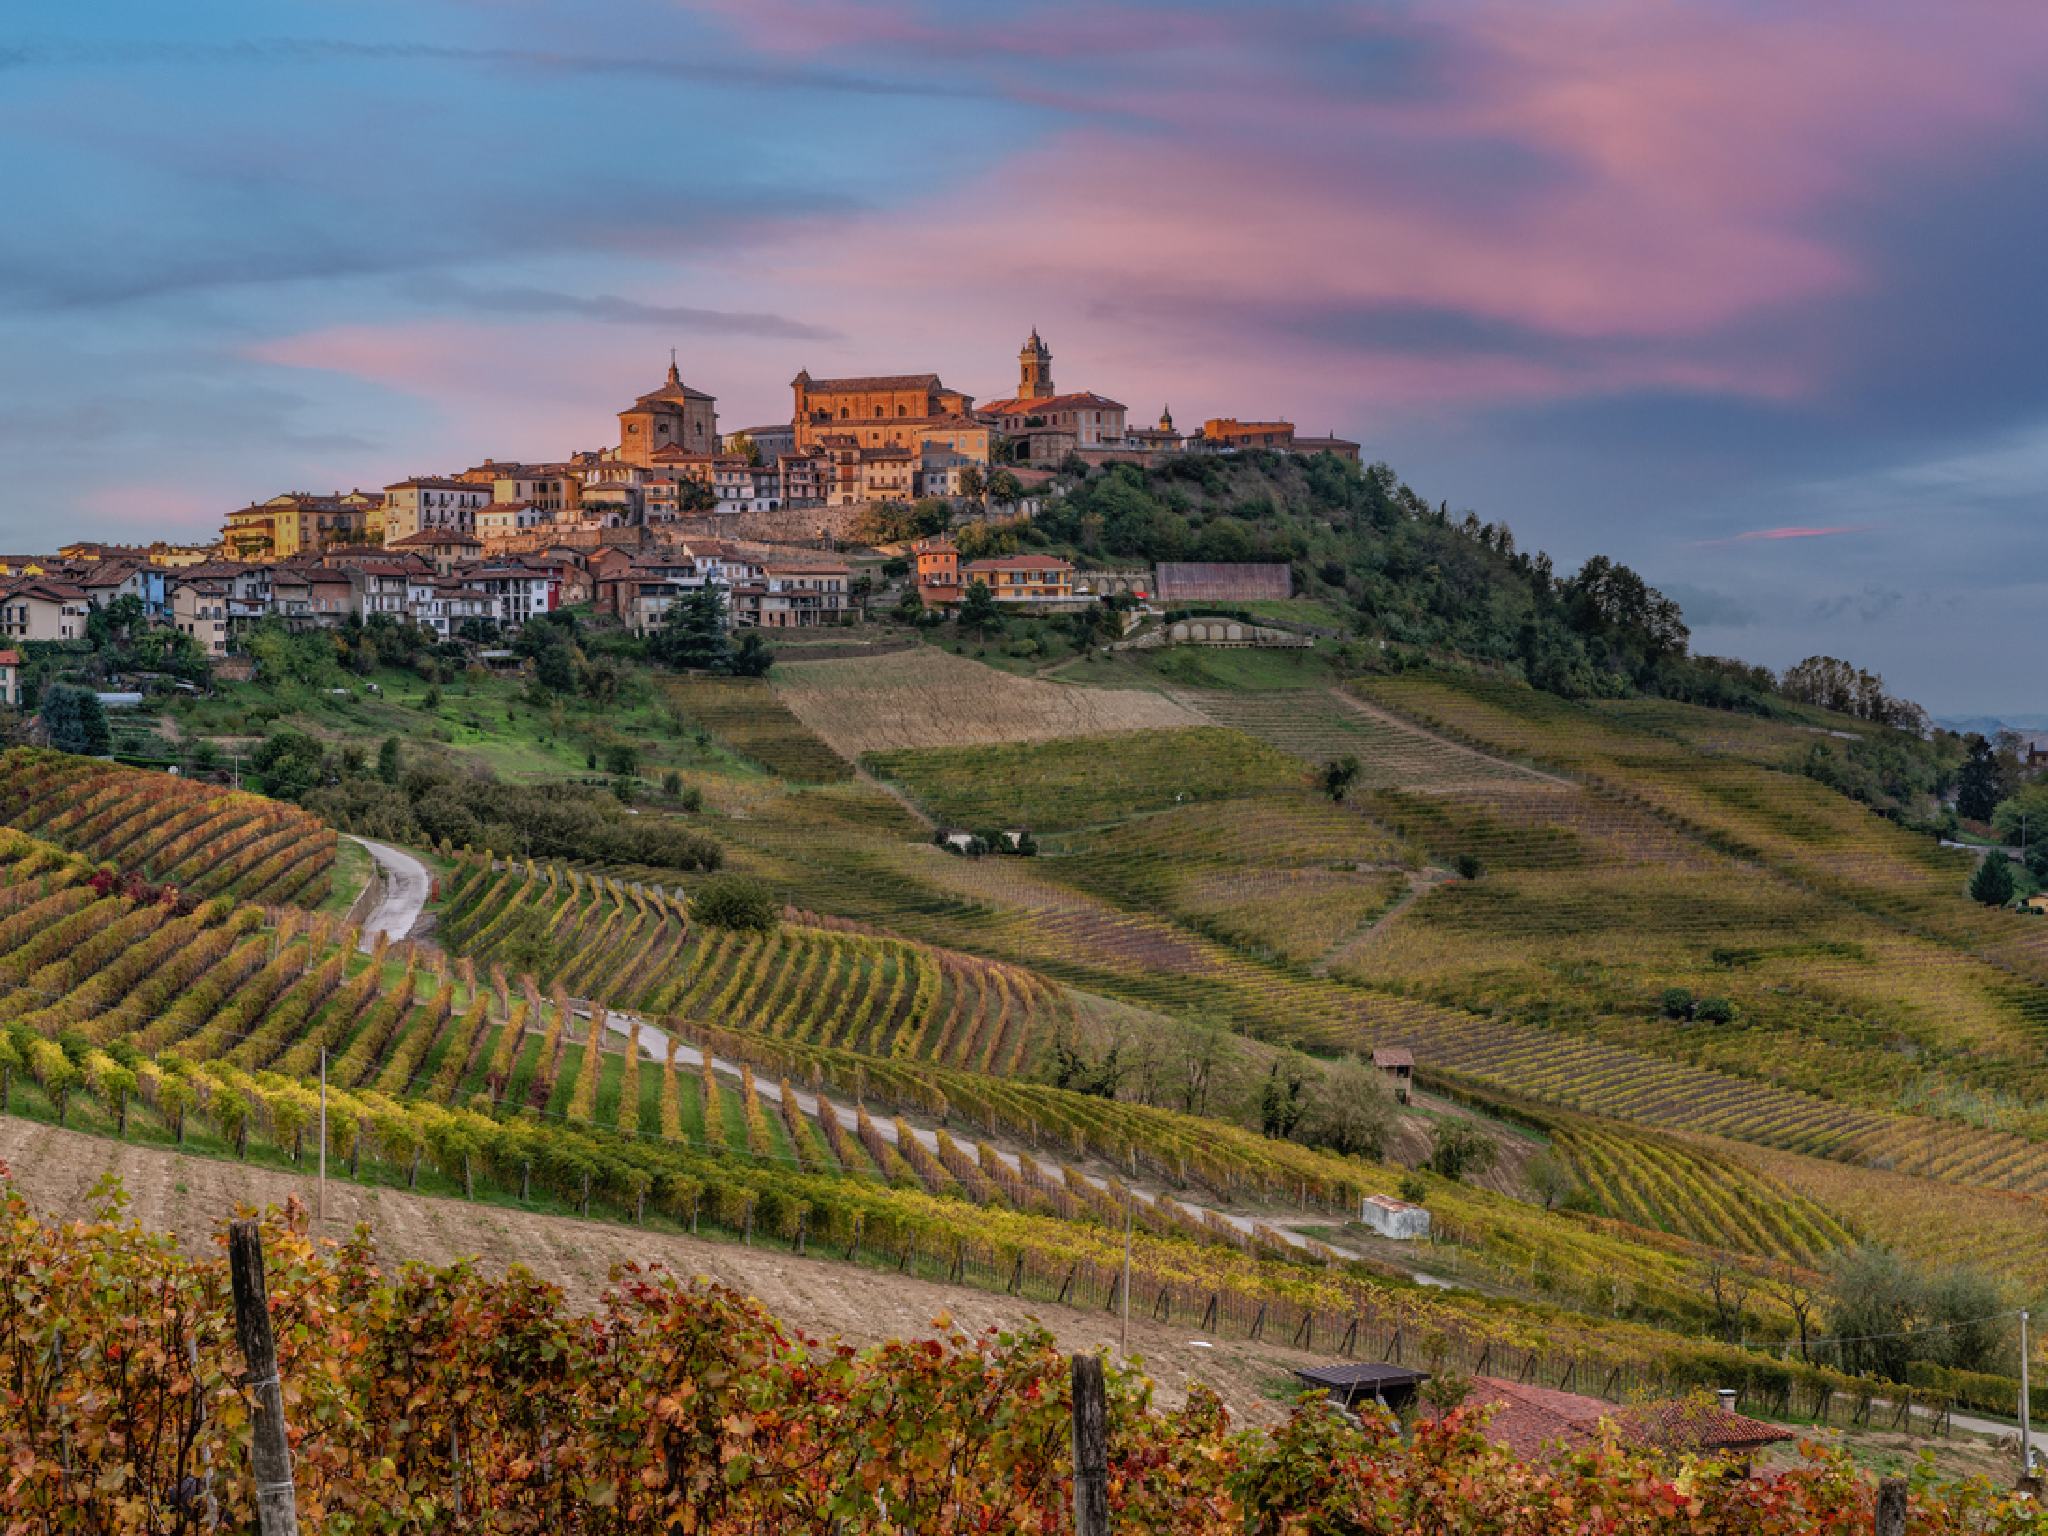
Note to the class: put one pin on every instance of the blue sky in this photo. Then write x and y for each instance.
(1745, 295)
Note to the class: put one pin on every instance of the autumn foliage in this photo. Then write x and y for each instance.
(447, 1400)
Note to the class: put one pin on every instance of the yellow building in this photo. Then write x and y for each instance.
(287, 525)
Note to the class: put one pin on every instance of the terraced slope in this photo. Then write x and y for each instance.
(1317, 725)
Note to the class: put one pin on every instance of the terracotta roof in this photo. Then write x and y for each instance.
(44, 587)
(1084, 400)
(925, 381)
(433, 538)
(1531, 1421)
(1021, 563)
(1394, 1056)
(10, 658)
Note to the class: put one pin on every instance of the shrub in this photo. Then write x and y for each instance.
(1714, 1010)
(1677, 1002)
(736, 901)
(1457, 1149)
(1470, 866)
(671, 783)
(1413, 1190)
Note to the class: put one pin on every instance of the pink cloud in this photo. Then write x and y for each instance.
(1779, 533)
(1649, 185)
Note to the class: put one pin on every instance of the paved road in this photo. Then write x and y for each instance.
(407, 885)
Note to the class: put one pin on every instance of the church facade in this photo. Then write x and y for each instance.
(673, 417)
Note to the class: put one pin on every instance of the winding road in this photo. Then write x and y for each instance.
(408, 884)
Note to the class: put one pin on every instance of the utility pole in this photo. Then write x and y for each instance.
(2026, 1406)
(1124, 1343)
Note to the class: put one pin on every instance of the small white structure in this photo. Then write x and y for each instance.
(1394, 1218)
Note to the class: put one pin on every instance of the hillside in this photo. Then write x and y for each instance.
(1516, 888)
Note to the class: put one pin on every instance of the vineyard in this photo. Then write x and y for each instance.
(201, 840)
(1320, 726)
(930, 698)
(452, 1401)
(211, 1026)
(745, 716)
(1059, 785)
(814, 981)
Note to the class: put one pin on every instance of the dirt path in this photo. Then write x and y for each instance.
(191, 1196)
(655, 1044)
(407, 886)
(1419, 883)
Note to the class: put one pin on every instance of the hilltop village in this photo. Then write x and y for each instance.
(679, 504)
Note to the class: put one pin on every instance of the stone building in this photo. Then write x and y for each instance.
(674, 416)
(901, 410)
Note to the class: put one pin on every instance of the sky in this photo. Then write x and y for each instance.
(1748, 296)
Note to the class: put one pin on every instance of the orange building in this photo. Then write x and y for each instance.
(885, 411)
(938, 572)
(1022, 578)
(1229, 432)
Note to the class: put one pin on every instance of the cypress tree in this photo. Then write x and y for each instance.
(1992, 884)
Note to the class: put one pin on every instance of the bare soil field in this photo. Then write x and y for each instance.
(192, 1196)
(932, 698)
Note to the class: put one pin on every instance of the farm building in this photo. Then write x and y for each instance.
(1398, 1062)
(1391, 1386)
(1394, 1218)
(1207, 583)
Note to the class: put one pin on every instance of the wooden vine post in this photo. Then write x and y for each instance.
(277, 1511)
(1091, 1449)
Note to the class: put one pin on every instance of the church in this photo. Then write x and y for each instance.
(1052, 423)
(674, 416)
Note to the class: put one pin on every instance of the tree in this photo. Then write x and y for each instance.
(1337, 777)
(737, 902)
(751, 657)
(1350, 1110)
(1004, 488)
(1992, 884)
(1724, 1289)
(1550, 1179)
(1977, 784)
(1456, 1149)
(288, 764)
(972, 482)
(745, 446)
(387, 760)
(978, 610)
(121, 620)
(1283, 1101)
(696, 496)
(554, 667)
(75, 720)
(693, 633)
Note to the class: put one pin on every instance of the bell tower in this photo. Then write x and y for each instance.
(1034, 369)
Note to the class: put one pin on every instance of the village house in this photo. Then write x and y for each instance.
(424, 503)
(10, 679)
(792, 597)
(444, 548)
(938, 572)
(199, 608)
(42, 608)
(1022, 578)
